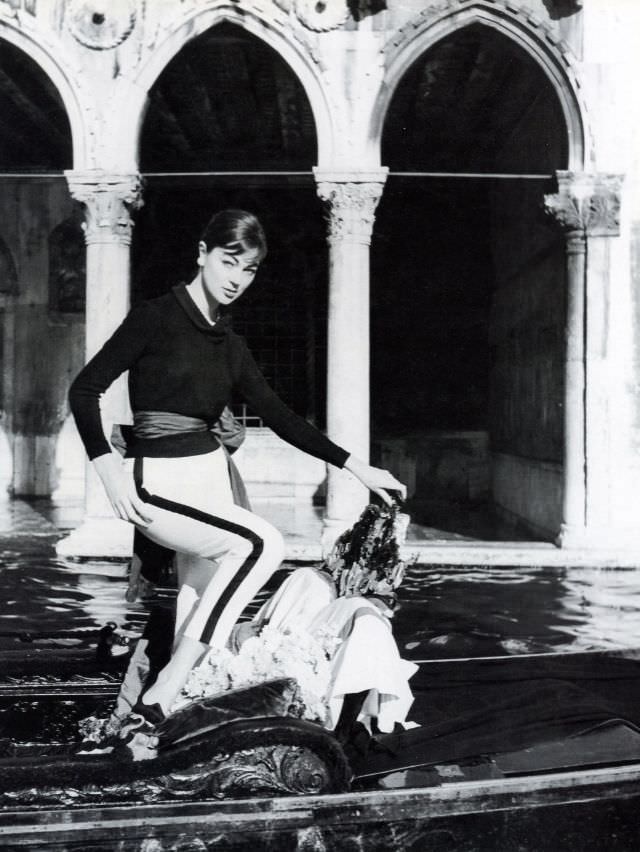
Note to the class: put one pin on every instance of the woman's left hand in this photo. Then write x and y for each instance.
(376, 479)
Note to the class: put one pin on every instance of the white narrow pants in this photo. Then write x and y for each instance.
(226, 553)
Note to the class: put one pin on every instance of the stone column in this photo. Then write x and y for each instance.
(350, 201)
(587, 207)
(109, 202)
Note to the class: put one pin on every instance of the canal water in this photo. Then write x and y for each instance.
(444, 612)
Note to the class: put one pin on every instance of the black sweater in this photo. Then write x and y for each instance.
(179, 362)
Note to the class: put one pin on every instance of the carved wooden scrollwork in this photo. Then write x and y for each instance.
(267, 770)
(273, 770)
(198, 753)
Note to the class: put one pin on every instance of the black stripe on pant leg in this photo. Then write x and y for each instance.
(257, 548)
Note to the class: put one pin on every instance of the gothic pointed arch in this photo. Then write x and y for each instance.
(65, 80)
(272, 29)
(227, 101)
(443, 18)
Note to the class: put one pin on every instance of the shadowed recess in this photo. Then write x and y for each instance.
(34, 131)
(463, 102)
(225, 101)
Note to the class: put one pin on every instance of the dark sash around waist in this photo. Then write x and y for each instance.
(149, 558)
(159, 424)
(226, 432)
(186, 435)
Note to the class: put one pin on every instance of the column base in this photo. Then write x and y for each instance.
(599, 538)
(98, 538)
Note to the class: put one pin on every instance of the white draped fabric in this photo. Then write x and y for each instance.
(367, 657)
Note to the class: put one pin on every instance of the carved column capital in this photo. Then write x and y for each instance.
(109, 201)
(586, 204)
(350, 200)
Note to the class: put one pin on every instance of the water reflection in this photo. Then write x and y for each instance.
(49, 597)
(451, 611)
(446, 611)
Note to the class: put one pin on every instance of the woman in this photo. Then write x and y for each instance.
(184, 363)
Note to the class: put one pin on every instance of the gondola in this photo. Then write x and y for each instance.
(537, 747)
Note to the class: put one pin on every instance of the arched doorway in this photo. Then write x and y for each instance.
(468, 289)
(42, 340)
(228, 124)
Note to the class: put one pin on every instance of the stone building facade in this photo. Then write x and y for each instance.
(453, 189)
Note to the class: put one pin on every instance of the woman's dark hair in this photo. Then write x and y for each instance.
(235, 231)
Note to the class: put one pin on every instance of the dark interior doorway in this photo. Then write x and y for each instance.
(229, 104)
(35, 135)
(468, 287)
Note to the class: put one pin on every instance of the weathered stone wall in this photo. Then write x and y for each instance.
(635, 291)
(560, 16)
(527, 333)
(612, 54)
(527, 330)
(45, 347)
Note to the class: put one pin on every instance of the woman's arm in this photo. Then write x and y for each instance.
(376, 479)
(120, 489)
(265, 402)
(297, 431)
(118, 354)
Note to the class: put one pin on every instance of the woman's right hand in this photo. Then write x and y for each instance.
(120, 490)
(376, 479)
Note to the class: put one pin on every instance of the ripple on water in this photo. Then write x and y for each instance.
(449, 611)
(444, 611)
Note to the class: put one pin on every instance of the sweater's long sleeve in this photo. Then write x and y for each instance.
(279, 417)
(179, 363)
(118, 354)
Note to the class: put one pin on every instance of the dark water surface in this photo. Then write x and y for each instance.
(445, 611)
(454, 611)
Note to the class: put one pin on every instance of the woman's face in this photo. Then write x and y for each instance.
(226, 275)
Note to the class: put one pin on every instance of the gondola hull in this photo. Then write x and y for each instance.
(298, 792)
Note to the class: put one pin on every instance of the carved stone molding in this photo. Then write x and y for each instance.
(586, 204)
(317, 15)
(350, 204)
(509, 9)
(515, 18)
(13, 9)
(109, 202)
(101, 25)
